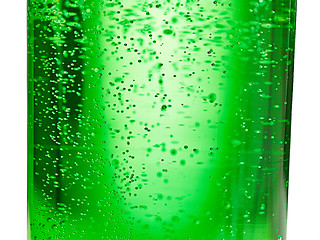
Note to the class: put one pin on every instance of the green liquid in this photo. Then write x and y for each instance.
(162, 120)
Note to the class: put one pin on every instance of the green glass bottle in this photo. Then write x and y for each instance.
(162, 120)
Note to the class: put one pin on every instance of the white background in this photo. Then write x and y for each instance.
(304, 197)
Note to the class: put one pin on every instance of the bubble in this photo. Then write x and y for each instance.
(175, 219)
(196, 221)
(212, 97)
(115, 162)
(163, 107)
(173, 152)
(167, 31)
(160, 196)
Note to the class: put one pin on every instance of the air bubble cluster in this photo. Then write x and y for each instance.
(162, 120)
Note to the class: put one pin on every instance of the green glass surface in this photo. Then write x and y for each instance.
(162, 120)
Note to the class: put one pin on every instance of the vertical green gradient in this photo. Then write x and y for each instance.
(162, 120)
